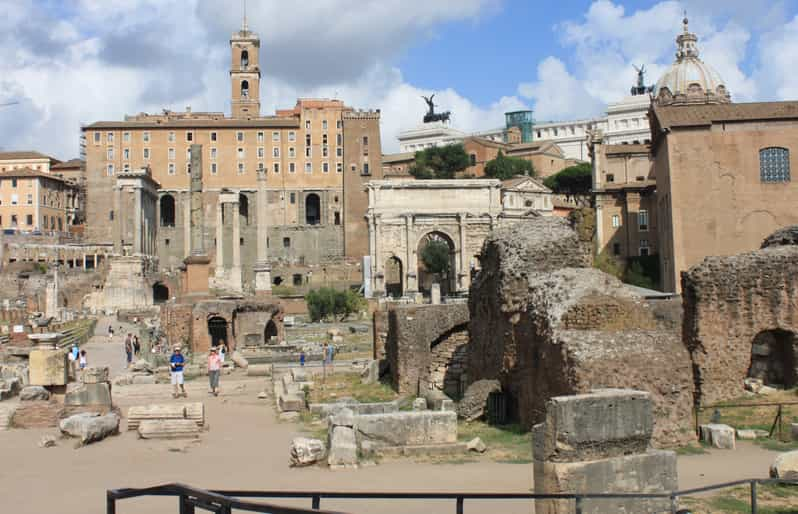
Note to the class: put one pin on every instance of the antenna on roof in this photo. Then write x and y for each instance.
(244, 26)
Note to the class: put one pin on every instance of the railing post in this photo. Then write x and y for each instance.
(459, 508)
(578, 504)
(316, 502)
(674, 504)
(110, 503)
(185, 506)
(754, 509)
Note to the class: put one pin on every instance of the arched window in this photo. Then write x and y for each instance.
(774, 164)
(167, 211)
(243, 208)
(312, 209)
(245, 88)
(244, 59)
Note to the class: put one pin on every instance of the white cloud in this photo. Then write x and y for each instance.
(558, 94)
(778, 54)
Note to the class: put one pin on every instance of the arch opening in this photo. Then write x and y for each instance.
(245, 88)
(436, 263)
(160, 293)
(270, 333)
(394, 284)
(217, 329)
(244, 58)
(773, 358)
(312, 209)
(167, 211)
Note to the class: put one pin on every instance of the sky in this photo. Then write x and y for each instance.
(73, 62)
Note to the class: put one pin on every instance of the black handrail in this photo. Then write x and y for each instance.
(223, 501)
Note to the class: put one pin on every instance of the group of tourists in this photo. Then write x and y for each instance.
(132, 348)
(177, 363)
(77, 357)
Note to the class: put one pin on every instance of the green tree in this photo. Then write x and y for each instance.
(440, 162)
(327, 303)
(503, 167)
(435, 256)
(608, 264)
(573, 180)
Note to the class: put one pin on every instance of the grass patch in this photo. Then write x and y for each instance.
(508, 443)
(771, 499)
(776, 445)
(691, 449)
(348, 385)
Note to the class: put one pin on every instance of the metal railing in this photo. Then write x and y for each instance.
(222, 502)
(775, 427)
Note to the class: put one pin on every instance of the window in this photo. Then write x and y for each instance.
(324, 140)
(167, 211)
(292, 198)
(339, 140)
(473, 158)
(111, 215)
(145, 136)
(291, 136)
(166, 242)
(616, 220)
(171, 154)
(29, 219)
(14, 220)
(126, 137)
(245, 89)
(642, 220)
(297, 279)
(339, 152)
(307, 152)
(260, 137)
(339, 124)
(354, 168)
(643, 247)
(307, 124)
(240, 168)
(324, 124)
(30, 199)
(276, 152)
(261, 152)
(291, 152)
(126, 154)
(189, 136)
(291, 167)
(610, 177)
(337, 219)
(276, 167)
(365, 140)
(774, 164)
(126, 167)
(366, 169)
(213, 168)
(240, 136)
(97, 138)
(188, 168)
(146, 154)
(325, 152)
(188, 154)
(171, 168)
(240, 153)
(110, 170)
(171, 137)
(110, 153)
(213, 153)
(325, 167)
(339, 167)
(286, 242)
(308, 167)
(110, 137)
(616, 248)
(275, 137)
(555, 132)
(213, 136)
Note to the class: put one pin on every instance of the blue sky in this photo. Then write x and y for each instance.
(70, 62)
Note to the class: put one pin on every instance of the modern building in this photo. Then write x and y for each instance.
(315, 159)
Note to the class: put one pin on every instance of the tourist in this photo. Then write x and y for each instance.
(222, 353)
(82, 361)
(74, 355)
(136, 346)
(128, 351)
(302, 358)
(110, 333)
(214, 370)
(75, 352)
(176, 362)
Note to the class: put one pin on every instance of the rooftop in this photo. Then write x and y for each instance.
(31, 173)
(626, 149)
(70, 164)
(24, 154)
(701, 115)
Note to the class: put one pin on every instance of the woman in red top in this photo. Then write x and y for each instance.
(214, 370)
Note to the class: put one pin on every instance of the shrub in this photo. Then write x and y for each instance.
(503, 167)
(573, 180)
(327, 303)
(440, 162)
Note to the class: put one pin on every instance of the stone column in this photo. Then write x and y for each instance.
(263, 270)
(187, 223)
(235, 272)
(137, 246)
(379, 274)
(117, 221)
(411, 282)
(462, 272)
(220, 239)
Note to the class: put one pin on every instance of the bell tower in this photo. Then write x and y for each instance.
(245, 72)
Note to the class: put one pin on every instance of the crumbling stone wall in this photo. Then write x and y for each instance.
(729, 302)
(546, 324)
(379, 333)
(412, 332)
(448, 361)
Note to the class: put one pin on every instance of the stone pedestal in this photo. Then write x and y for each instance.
(263, 279)
(197, 274)
(435, 294)
(47, 364)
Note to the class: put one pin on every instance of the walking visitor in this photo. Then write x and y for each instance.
(176, 363)
(214, 370)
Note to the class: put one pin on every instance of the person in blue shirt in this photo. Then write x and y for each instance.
(176, 363)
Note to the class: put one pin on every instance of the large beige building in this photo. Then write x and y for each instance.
(315, 159)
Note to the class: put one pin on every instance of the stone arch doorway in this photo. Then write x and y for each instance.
(270, 332)
(312, 209)
(437, 248)
(773, 358)
(394, 283)
(160, 293)
(217, 329)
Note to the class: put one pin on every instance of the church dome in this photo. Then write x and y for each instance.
(689, 79)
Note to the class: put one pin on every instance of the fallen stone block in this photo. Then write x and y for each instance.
(785, 466)
(32, 393)
(168, 429)
(343, 448)
(299, 375)
(142, 366)
(794, 431)
(259, 370)
(371, 373)
(88, 394)
(766, 390)
(289, 416)
(6, 416)
(343, 418)
(48, 367)
(753, 384)
(475, 400)
(141, 379)
(123, 380)
(408, 428)
(476, 445)
(239, 360)
(195, 411)
(718, 436)
(306, 452)
(94, 375)
(139, 413)
(291, 402)
(90, 427)
(419, 404)
(47, 441)
(262, 395)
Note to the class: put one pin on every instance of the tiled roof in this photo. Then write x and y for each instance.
(622, 149)
(70, 164)
(275, 122)
(398, 157)
(30, 173)
(700, 115)
(13, 156)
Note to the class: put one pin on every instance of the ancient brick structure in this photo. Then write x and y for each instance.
(741, 318)
(545, 324)
(425, 347)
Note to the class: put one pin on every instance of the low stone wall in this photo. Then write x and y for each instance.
(406, 428)
(324, 410)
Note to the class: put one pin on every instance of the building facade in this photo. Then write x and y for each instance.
(315, 159)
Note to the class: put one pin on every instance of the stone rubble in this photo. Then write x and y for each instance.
(90, 427)
(306, 452)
